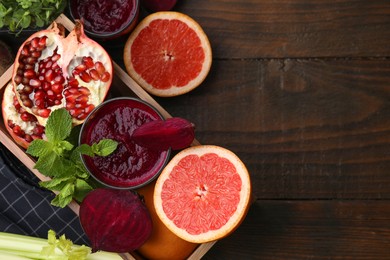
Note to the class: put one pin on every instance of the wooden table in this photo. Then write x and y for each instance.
(300, 91)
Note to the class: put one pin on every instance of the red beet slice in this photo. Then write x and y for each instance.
(176, 133)
(115, 220)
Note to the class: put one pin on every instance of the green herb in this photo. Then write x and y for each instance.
(17, 15)
(60, 159)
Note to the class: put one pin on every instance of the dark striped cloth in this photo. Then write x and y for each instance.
(25, 207)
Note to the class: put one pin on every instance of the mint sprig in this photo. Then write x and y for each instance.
(60, 159)
(17, 15)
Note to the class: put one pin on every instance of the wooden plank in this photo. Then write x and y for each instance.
(293, 28)
(326, 229)
(305, 128)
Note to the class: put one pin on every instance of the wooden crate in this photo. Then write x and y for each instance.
(123, 85)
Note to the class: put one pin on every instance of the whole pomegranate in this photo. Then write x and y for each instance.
(52, 71)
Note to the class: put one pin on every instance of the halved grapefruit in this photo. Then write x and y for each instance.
(168, 54)
(203, 193)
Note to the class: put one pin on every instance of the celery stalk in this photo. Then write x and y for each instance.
(14, 246)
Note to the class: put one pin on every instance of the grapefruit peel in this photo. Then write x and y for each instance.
(202, 190)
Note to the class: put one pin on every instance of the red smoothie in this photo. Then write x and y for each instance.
(106, 16)
(131, 165)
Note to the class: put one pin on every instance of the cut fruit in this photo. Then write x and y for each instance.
(168, 54)
(203, 193)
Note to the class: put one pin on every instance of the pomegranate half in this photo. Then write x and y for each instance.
(52, 71)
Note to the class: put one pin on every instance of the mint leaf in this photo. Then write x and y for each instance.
(82, 188)
(39, 147)
(104, 147)
(56, 184)
(58, 126)
(65, 196)
(46, 164)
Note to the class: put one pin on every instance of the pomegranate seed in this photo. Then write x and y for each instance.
(39, 103)
(50, 102)
(31, 61)
(27, 103)
(55, 57)
(50, 94)
(100, 67)
(46, 86)
(34, 83)
(30, 73)
(59, 79)
(82, 99)
(84, 91)
(25, 117)
(18, 79)
(25, 81)
(57, 102)
(44, 112)
(74, 112)
(72, 82)
(94, 74)
(18, 130)
(38, 130)
(105, 77)
(70, 105)
(88, 61)
(81, 116)
(81, 67)
(73, 91)
(36, 54)
(88, 109)
(19, 72)
(49, 75)
(57, 88)
(85, 76)
(35, 42)
(29, 66)
(28, 89)
(24, 51)
(71, 98)
(10, 123)
(48, 64)
(42, 41)
(28, 138)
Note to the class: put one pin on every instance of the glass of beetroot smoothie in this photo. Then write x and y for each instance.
(106, 19)
(130, 166)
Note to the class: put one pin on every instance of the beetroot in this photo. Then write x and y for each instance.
(115, 220)
(176, 133)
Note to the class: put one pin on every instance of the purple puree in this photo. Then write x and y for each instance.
(104, 15)
(130, 165)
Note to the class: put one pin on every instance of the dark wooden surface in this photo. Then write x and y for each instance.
(300, 91)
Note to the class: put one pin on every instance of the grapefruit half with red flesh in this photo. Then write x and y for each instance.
(203, 193)
(168, 54)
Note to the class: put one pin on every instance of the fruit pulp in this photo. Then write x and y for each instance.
(105, 17)
(131, 165)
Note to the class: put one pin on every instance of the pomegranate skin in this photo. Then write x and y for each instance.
(115, 220)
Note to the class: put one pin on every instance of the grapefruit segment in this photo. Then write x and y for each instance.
(203, 193)
(168, 54)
